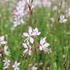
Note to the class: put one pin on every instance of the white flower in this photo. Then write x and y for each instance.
(36, 32)
(6, 63)
(2, 40)
(30, 30)
(43, 44)
(6, 50)
(31, 33)
(16, 65)
(27, 48)
(62, 19)
(34, 68)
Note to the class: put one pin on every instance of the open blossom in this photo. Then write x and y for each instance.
(28, 48)
(31, 32)
(6, 63)
(43, 44)
(2, 41)
(6, 50)
(62, 19)
(16, 65)
(34, 68)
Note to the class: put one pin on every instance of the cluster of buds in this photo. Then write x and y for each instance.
(31, 36)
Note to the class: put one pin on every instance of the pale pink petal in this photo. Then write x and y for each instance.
(38, 33)
(42, 41)
(25, 45)
(31, 40)
(34, 33)
(40, 48)
(46, 45)
(36, 29)
(30, 52)
(34, 68)
(2, 38)
(26, 34)
(30, 30)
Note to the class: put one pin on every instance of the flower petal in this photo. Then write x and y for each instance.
(46, 45)
(25, 45)
(31, 40)
(26, 34)
(30, 30)
(42, 41)
(30, 52)
(2, 38)
(40, 48)
(38, 33)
